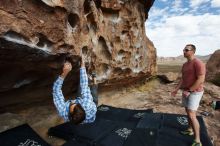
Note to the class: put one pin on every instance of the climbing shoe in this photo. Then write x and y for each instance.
(196, 143)
(187, 132)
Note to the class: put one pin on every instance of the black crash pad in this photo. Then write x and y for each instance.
(142, 137)
(91, 132)
(120, 114)
(119, 127)
(22, 135)
(169, 127)
(74, 142)
(121, 137)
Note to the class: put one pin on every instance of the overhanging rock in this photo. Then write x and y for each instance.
(36, 36)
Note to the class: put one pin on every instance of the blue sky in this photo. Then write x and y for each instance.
(174, 23)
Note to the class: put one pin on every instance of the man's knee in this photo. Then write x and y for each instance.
(191, 114)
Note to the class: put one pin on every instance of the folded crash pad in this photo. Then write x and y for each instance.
(22, 135)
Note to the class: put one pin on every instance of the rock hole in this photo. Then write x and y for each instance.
(16, 36)
(86, 7)
(85, 50)
(91, 21)
(120, 71)
(43, 41)
(124, 32)
(98, 3)
(103, 71)
(120, 55)
(110, 14)
(32, 43)
(65, 47)
(117, 71)
(121, 52)
(117, 39)
(138, 51)
(104, 51)
(73, 19)
(111, 44)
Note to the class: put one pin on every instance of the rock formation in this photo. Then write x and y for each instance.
(36, 36)
(213, 68)
(168, 77)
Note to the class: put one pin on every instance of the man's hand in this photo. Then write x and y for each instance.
(174, 93)
(186, 93)
(177, 88)
(67, 67)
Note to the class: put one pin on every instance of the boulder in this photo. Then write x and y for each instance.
(213, 68)
(36, 37)
(168, 77)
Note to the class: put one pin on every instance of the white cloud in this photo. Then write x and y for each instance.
(215, 3)
(156, 12)
(171, 36)
(177, 4)
(197, 3)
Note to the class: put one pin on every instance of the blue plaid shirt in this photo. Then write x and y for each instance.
(86, 99)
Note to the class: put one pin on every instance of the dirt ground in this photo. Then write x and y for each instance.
(152, 94)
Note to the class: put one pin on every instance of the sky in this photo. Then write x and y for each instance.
(172, 24)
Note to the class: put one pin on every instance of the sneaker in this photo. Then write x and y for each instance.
(187, 132)
(196, 143)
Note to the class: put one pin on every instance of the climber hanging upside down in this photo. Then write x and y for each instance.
(82, 109)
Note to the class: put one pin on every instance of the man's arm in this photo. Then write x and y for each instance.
(85, 91)
(198, 82)
(58, 97)
(177, 88)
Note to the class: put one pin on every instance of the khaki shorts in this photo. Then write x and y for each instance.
(192, 101)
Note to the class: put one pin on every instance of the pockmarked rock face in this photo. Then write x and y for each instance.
(36, 37)
(213, 68)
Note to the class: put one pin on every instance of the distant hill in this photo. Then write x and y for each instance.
(204, 58)
(179, 59)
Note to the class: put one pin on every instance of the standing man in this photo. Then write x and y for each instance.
(80, 110)
(191, 83)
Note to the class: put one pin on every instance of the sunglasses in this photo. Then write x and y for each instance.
(186, 50)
